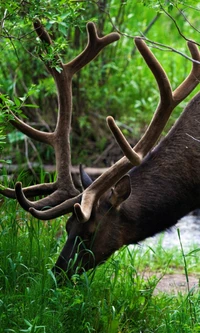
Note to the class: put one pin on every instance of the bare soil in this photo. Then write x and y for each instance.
(175, 283)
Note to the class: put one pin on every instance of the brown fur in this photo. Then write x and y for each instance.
(164, 188)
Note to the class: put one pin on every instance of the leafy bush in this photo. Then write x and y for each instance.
(116, 83)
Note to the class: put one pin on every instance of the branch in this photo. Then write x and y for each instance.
(157, 45)
(186, 19)
(177, 27)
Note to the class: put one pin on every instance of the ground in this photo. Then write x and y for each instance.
(175, 283)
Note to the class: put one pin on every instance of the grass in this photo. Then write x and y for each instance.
(115, 298)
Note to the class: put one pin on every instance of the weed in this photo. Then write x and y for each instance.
(115, 297)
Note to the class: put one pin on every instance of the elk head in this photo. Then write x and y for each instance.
(130, 200)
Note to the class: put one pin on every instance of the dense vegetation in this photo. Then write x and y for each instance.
(117, 297)
(117, 82)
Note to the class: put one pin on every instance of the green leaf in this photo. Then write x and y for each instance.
(17, 102)
(31, 105)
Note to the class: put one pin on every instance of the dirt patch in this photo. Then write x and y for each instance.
(175, 283)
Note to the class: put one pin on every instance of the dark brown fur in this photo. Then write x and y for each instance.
(164, 188)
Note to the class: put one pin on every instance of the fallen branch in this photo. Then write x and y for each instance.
(10, 168)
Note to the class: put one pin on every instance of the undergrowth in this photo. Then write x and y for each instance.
(115, 298)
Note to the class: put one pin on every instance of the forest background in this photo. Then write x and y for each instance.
(116, 83)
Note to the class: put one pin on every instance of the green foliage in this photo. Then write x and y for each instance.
(167, 3)
(8, 109)
(5, 104)
(53, 11)
(116, 83)
(118, 297)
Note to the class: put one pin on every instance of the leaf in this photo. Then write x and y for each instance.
(58, 68)
(6, 162)
(17, 102)
(31, 105)
(16, 136)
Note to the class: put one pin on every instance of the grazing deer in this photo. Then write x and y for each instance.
(143, 193)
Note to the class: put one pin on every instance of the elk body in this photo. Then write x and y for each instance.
(140, 195)
(158, 192)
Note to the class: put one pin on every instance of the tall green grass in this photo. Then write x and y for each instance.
(116, 297)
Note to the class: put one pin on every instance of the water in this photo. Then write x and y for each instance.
(189, 227)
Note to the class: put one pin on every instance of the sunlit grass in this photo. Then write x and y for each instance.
(116, 297)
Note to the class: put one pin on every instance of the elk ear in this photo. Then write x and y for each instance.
(86, 181)
(121, 191)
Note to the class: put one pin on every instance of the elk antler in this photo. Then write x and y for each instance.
(63, 188)
(168, 101)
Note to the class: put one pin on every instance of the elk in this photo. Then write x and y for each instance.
(145, 192)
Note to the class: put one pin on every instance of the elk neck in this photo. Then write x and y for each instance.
(166, 186)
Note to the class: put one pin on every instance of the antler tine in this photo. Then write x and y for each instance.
(44, 203)
(30, 191)
(61, 209)
(164, 108)
(31, 132)
(94, 46)
(185, 88)
(157, 70)
(131, 155)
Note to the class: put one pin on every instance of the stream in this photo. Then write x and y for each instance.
(189, 227)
